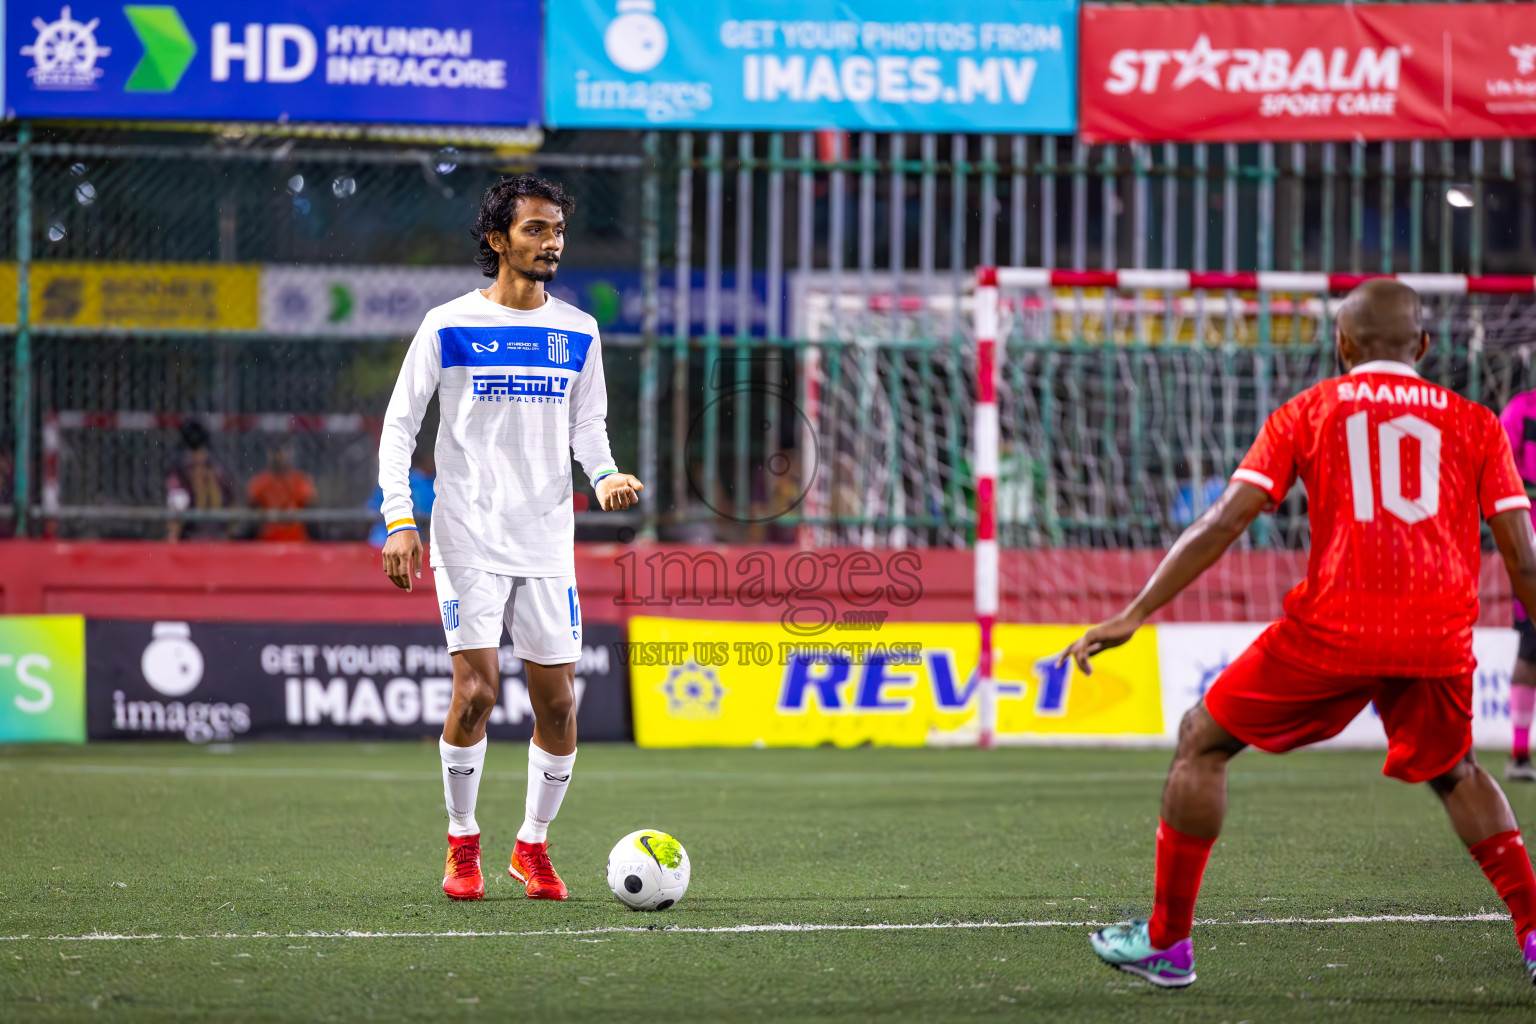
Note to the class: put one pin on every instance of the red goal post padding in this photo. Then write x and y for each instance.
(1256, 281)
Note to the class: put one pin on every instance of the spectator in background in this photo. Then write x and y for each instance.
(423, 478)
(197, 481)
(282, 487)
(1185, 511)
(1519, 420)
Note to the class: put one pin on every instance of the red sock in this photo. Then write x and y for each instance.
(1180, 866)
(1507, 865)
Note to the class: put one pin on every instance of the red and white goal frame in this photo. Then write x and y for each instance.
(986, 315)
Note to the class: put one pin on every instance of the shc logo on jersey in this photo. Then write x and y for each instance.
(523, 346)
(451, 614)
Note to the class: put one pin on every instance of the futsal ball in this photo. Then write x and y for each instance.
(648, 870)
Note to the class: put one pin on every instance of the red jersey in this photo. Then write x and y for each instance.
(1396, 471)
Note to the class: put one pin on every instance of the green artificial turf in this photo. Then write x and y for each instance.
(236, 855)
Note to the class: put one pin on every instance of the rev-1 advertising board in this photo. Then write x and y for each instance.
(698, 683)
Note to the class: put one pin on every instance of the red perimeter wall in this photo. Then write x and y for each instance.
(248, 582)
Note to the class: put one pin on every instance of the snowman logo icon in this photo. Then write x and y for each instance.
(172, 663)
(636, 40)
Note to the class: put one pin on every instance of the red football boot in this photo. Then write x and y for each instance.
(530, 864)
(461, 878)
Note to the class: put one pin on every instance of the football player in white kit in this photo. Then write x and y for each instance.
(519, 376)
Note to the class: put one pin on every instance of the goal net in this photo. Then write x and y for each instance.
(1124, 401)
(1133, 401)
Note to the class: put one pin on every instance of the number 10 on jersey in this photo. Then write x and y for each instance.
(1389, 439)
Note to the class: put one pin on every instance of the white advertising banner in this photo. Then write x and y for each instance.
(351, 301)
(1191, 655)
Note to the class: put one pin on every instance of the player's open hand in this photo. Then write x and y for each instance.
(1100, 638)
(402, 558)
(616, 491)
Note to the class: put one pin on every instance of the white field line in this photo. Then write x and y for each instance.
(739, 929)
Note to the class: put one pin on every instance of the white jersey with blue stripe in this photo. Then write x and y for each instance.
(519, 390)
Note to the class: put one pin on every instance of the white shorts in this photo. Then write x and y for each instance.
(542, 614)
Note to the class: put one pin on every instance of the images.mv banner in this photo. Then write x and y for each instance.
(988, 65)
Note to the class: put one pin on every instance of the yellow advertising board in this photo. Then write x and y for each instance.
(698, 683)
(207, 296)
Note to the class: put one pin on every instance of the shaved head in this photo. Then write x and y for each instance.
(1382, 319)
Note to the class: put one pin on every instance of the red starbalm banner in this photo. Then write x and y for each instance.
(1251, 73)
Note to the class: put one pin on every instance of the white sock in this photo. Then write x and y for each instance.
(462, 768)
(548, 777)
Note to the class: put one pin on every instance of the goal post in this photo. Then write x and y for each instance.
(984, 426)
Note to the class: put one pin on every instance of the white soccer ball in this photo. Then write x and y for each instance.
(648, 870)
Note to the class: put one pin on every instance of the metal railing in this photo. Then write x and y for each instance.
(785, 312)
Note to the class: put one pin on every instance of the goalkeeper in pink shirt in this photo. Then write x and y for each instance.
(1519, 419)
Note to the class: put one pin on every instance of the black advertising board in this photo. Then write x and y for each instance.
(224, 681)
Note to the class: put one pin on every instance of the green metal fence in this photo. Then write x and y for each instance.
(787, 336)
(873, 239)
(98, 202)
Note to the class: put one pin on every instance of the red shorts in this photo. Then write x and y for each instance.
(1277, 706)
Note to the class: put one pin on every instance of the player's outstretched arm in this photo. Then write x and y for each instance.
(1517, 543)
(1193, 553)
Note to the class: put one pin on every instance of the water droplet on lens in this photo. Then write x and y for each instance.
(85, 193)
(344, 186)
(296, 184)
(447, 160)
(56, 232)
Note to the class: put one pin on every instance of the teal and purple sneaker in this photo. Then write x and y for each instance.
(1530, 955)
(1128, 947)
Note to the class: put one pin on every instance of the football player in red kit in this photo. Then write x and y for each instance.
(1398, 472)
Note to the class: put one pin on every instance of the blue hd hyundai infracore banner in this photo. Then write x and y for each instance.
(449, 61)
(883, 64)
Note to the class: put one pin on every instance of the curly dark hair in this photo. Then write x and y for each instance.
(499, 205)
